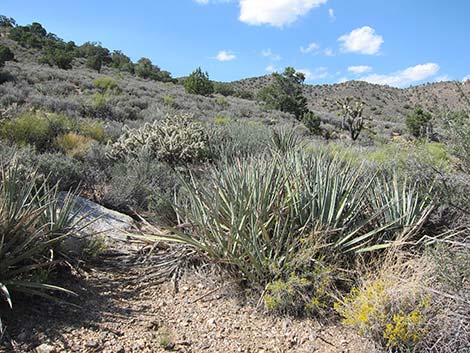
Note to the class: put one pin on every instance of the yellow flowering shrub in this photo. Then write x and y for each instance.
(395, 318)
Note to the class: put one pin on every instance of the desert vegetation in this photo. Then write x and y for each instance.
(322, 214)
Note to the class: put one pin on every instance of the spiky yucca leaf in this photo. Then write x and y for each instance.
(31, 228)
(253, 213)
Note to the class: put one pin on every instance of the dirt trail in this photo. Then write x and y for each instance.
(117, 312)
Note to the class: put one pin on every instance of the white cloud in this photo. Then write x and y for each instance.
(267, 53)
(275, 12)
(405, 77)
(331, 14)
(224, 55)
(466, 78)
(342, 80)
(270, 68)
(310, 48)
(360, 69)
(202, 2)
(317, 74)
(328, 52)
(361, 40)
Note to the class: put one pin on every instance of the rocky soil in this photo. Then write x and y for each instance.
(118, 311)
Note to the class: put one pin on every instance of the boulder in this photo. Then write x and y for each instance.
(96, 221)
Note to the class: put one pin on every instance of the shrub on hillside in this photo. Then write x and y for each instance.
(73, 144)
(5, 55)
(61, 170)
(144, 68)
(414, 304)
(35, 128)
(418, 123)
(175, 140)
(106, 84)
(312, 122)
(198, 83)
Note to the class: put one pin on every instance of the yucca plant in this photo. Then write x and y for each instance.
(32, 225)
(253, 214)
(285, 140)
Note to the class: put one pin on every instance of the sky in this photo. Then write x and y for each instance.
(394, 42)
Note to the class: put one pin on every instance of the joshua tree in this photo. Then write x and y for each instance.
(351, 112)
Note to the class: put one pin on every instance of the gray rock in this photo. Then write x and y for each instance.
(96, 221)
(45, 348)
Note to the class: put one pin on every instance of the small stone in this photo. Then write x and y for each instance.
(211, 321)
(92, 344)
(45, 348)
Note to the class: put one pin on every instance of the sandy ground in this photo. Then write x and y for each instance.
(117, 311)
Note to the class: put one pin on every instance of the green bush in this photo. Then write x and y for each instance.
(93, 129)
(225, 89)
(57, 56)
(418, 123)
(312, 122)
(106, 84)
(5, 55)
(121, 62)
(198, 83)
(222, 101)
(146, 69)
(170, 101)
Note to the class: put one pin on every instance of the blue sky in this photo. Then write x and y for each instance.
(395, 42)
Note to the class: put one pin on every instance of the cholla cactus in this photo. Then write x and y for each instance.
(351, 113)
(177, 139)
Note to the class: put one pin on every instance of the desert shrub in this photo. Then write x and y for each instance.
(222, 120)
(231, 139)
(57, 56)
(63, 171)
(222, 101)
(169, 101)
(252, 214)
(146, 69)
(73, 144)
(5, 55)
(93, 129)
(144, 184)
(304, 291)
(121, 62)
(106, 84)
(175, 140)
(312, 122)
(457, 126)
(408, 305)
(32, 227)
(198, 83)
(418, 123)
(27, 129)
(223, 88)
(36, 128)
